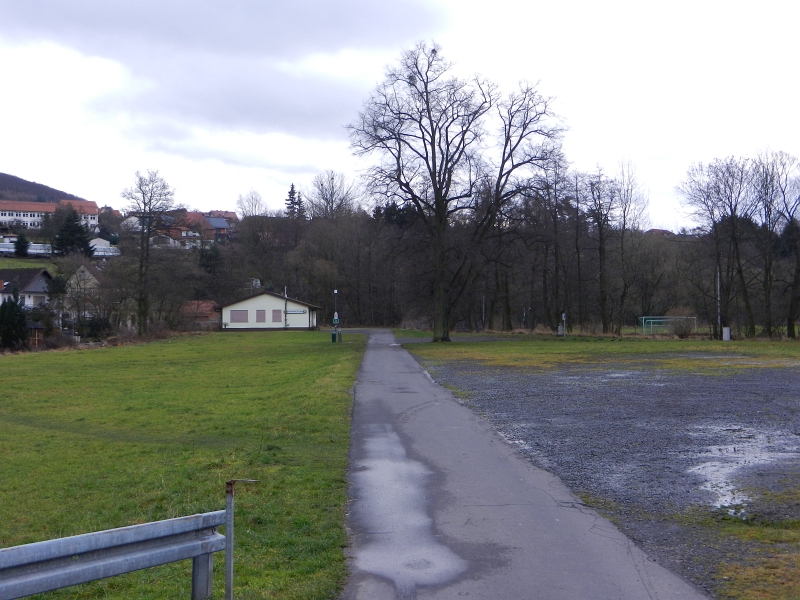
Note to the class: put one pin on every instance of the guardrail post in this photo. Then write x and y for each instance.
(230, 492)
(202, 571)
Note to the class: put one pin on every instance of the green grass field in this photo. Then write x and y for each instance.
(110, 437)
(27, 263)
(547, 352)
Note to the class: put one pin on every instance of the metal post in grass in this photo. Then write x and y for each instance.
(230, 491)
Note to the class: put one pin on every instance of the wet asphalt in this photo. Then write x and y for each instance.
(442, 507)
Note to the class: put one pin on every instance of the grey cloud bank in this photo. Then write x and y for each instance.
(224, 66)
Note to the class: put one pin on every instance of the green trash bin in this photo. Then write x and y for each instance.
(333, 337)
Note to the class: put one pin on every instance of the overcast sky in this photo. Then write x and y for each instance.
(226, 97)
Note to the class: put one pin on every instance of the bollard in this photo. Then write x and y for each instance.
(339, 335)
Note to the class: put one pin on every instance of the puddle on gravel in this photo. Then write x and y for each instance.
(739, 448)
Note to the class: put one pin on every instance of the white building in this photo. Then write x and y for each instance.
(269, 311)
(31, 214)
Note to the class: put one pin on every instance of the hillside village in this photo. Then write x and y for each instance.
(83, 295)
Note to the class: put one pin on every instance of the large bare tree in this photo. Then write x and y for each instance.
(331, 196)
(148, 200)
(251, 204)
(439, 139)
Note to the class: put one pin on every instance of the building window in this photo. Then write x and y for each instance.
(277, 317)
(238, 316)
(261, 316)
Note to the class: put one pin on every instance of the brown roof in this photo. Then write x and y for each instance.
(225, 214)
(24, 206)
(196, 218)
(84, 207)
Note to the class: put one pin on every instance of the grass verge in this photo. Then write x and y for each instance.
(104, 438)
(27, 263)
(411, 333)
(548, 352)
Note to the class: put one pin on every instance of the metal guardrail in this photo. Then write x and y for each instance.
(55, 564)
(45, 566)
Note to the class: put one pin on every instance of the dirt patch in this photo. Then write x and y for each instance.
(664, 454)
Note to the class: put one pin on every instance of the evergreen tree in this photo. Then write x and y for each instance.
(300, 207)
(291, 203)
(21, 246)
(13, 323)
(73, 236)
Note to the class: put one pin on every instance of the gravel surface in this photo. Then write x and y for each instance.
(649, 447)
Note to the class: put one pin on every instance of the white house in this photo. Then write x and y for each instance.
(269, 311)
(31, 284)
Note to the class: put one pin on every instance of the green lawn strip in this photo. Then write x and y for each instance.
(550, 352)
(771, 569)
(104, 438)
(27, 263)
(411, 333)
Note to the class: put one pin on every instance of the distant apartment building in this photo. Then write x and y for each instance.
(31, 214)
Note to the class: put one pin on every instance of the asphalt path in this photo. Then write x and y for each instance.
(442, 507)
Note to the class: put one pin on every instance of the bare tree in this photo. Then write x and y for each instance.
(601, 207)
(149, 198)
(772, 172)
(630, 214)
(787, 183)
(331, 196)
(429, 129)
(251, 205)
(732, 180)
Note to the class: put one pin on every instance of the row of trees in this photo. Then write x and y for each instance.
(749, 270)
(477, 220)
(569, 242)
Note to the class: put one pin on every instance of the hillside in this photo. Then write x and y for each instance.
(15, 188)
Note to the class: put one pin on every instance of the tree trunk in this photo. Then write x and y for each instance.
(440, 313)
(794, 302)
(506, 303)
(601, 249)
(751, 322)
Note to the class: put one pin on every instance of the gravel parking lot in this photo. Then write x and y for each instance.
(648, 446)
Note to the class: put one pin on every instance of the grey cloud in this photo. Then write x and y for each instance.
(196, 152)
(216, 64)
(248, 94)
(249, 27)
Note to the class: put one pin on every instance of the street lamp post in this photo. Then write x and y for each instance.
(336, 333)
